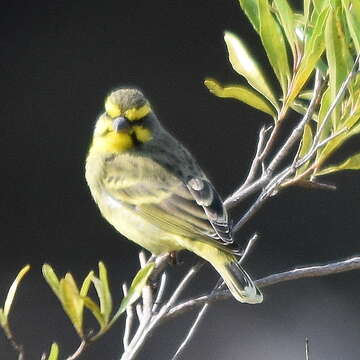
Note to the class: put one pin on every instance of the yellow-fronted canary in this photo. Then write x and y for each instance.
(151, 189)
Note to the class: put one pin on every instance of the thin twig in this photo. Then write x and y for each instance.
(298, 130)
(337, 99)
(78, 351)
(203, 310)
(191, 332)
(298, 273)
(139, 312)
(307, 349)
(248, 248)
(269, 144)
(19, 348)
(129, 320)
(147, 326)
(147, 296)
(242, 192)
(257, 161)
(160, 293)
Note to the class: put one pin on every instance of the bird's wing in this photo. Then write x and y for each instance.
(191, 208)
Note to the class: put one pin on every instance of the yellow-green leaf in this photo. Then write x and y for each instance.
(86, 284)
(241, 93)
(102, 297)
(338, 57)
(306, 95)
(135, 290)
(352, 12)
(3, 318)
(54, 352)
(301, 108)
(106, 305)
(245, 65)
(319, 5)
(12, 291)
(72, 303)
(324, 108)
(95, 310)
(51, 278)
(314, 47)
(306, 143)
(286, 16)
(274, 44)
(251, 10)
(352, 163)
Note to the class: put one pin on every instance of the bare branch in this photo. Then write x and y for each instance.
(128, 321)
(307, 349)
(257, 161)
(160, 293)
(337, 99)
(19, 348)
(248, 248)
(295, 135)
(298, 273)
(298, 130)
(78, 351)
(191, 332)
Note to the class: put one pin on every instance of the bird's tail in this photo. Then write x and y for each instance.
(237, 280)
(235, 277)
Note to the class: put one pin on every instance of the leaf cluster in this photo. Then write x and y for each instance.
(324, 36)
(74, 300)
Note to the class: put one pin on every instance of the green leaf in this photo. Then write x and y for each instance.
(102, 297)
(352, 163)
(306, 144)
(12, 291)
(72, 303)
(241, 93)
(319, 5)
(95, 310)
(314, 47)
(251, 10)
(54, 352)
(324, 108)
(338, 57)
(307, 5)
(86, 284)
(286, 16)
(301, 108)
(3, 319)
(306, 95)
(135, 289)
(352, 12)
(244, 64)
(274, 44)
(51, 279)
(106, 305)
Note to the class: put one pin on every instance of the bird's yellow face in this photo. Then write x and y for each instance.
(124, 124)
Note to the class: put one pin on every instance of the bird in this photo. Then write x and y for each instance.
(150, 188)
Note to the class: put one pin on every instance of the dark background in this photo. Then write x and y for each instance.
(59, 60)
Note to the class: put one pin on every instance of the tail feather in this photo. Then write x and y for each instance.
(239, 282)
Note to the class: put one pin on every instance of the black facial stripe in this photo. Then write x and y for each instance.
(134, 139)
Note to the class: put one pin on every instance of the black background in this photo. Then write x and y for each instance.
(59, 60)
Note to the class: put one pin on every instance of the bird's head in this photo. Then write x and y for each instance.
(126, 123)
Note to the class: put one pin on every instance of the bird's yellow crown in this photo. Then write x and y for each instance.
(124, 125)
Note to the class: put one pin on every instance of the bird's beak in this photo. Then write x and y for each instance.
(121, 124)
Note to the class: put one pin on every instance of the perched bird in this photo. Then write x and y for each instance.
(151, 189)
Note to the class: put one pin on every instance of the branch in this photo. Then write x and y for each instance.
(298, 273)
(78, 351)
(202, 312)
(295, 135)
